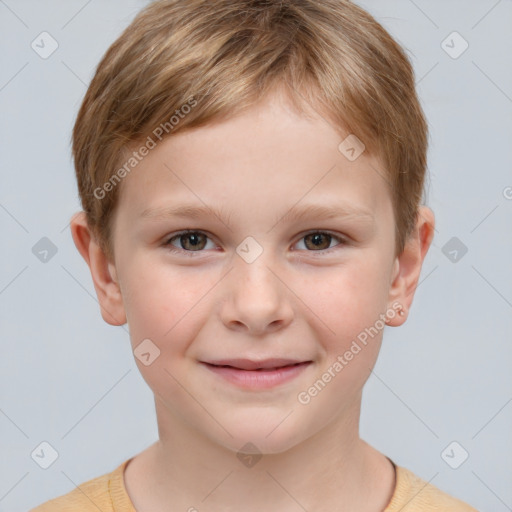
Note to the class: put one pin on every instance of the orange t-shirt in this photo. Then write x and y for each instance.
(108, 494)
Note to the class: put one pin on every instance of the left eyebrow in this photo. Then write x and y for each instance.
(322, 212)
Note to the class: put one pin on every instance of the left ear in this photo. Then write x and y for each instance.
(407, 266)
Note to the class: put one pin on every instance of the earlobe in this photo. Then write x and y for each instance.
(103, 272)
(407, 266)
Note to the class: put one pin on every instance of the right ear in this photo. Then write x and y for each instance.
(103, 272)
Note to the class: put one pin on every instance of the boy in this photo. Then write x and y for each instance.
(251, 175)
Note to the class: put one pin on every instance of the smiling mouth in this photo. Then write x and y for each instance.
(269, 364)
(257, 376)
(274, 368)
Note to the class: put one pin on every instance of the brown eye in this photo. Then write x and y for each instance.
(318, 240)
(193, 241)
(321, 242)
(189, 241)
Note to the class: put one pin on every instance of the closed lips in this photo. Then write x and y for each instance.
(248, 365)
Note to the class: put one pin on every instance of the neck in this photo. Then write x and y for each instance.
(333, 468)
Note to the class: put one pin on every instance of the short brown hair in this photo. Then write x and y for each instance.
(225, 55)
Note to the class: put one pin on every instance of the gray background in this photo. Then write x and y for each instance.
(70, 379)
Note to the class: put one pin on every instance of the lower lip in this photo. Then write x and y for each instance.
(258, 379)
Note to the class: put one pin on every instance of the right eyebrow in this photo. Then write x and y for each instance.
(184, 211)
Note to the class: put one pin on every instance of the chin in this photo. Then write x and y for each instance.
(270, 435)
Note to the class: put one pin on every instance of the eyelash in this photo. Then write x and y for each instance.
(174, 250)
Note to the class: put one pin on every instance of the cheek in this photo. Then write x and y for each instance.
(347, 307)
(165, 312)
(346, 300)
(159, 301)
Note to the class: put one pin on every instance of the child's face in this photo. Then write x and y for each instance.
(206, 302)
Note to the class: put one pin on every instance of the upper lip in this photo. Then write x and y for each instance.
(248, 364)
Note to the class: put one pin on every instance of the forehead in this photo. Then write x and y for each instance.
(269, 156)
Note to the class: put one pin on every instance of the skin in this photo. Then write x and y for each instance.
(294, 300)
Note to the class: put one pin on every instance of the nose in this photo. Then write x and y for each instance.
(256, 299)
